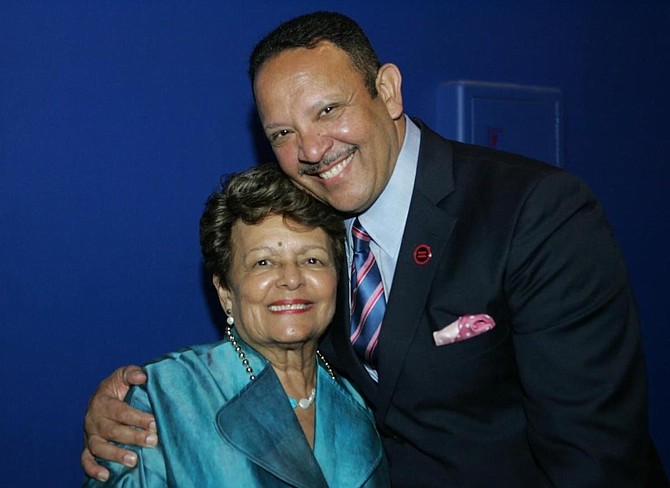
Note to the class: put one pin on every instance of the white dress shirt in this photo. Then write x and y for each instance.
(385, 219)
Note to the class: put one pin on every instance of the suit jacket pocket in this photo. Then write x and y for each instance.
(464, 328)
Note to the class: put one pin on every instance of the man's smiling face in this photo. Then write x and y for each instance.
(328, 134)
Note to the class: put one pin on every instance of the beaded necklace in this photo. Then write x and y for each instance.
(303, 403)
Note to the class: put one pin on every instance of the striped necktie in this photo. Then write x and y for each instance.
(367, 298)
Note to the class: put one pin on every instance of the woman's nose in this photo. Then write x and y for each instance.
(291, 276)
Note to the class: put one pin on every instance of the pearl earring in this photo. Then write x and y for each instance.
(230, 320)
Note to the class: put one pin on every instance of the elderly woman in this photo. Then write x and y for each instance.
(262, 407)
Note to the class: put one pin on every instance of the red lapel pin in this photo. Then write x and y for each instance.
(422, 254)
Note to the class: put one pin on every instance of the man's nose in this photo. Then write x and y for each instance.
(313, 147)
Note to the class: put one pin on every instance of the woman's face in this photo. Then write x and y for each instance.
(283, 283)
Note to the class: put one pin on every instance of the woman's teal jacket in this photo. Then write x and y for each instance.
(217, 428)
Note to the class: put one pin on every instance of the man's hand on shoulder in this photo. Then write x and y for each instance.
(109, 418)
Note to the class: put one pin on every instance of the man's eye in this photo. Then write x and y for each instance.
(278, 135)
(327, 110)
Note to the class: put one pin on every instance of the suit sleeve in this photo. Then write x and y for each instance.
(150, 469)
(577, 340)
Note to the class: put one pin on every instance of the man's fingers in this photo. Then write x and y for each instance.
(124, 415)
(105, 413)
(100, 448)
(133, 375)
(93, 469)
(122, 434)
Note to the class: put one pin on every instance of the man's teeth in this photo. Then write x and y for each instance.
(336, 170)
(293, 306)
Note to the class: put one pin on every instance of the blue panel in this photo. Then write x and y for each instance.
(514, 118)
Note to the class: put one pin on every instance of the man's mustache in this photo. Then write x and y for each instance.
(312, 168)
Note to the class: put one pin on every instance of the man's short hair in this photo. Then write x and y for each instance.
(309, 30)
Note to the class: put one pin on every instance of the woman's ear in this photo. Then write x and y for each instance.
(224, 294)
(389, 88)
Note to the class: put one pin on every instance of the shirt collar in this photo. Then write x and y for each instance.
(393, 203)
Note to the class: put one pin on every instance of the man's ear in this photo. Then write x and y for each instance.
(224, 294)
(389, 84)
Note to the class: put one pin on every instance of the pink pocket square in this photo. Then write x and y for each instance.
(465, 327)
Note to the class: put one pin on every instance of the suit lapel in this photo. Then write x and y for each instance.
(427, 224)
(268, 434)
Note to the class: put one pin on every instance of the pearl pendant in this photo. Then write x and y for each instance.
(304, 403)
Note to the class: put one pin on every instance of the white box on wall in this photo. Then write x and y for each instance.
(515, 118)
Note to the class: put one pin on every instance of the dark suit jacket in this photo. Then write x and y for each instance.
(555, 394)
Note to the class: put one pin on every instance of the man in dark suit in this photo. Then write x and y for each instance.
(509, 353)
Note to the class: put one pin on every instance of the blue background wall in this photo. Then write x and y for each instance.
(118, 117)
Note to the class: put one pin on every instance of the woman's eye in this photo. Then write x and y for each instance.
(314, 261)
(262, 262)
